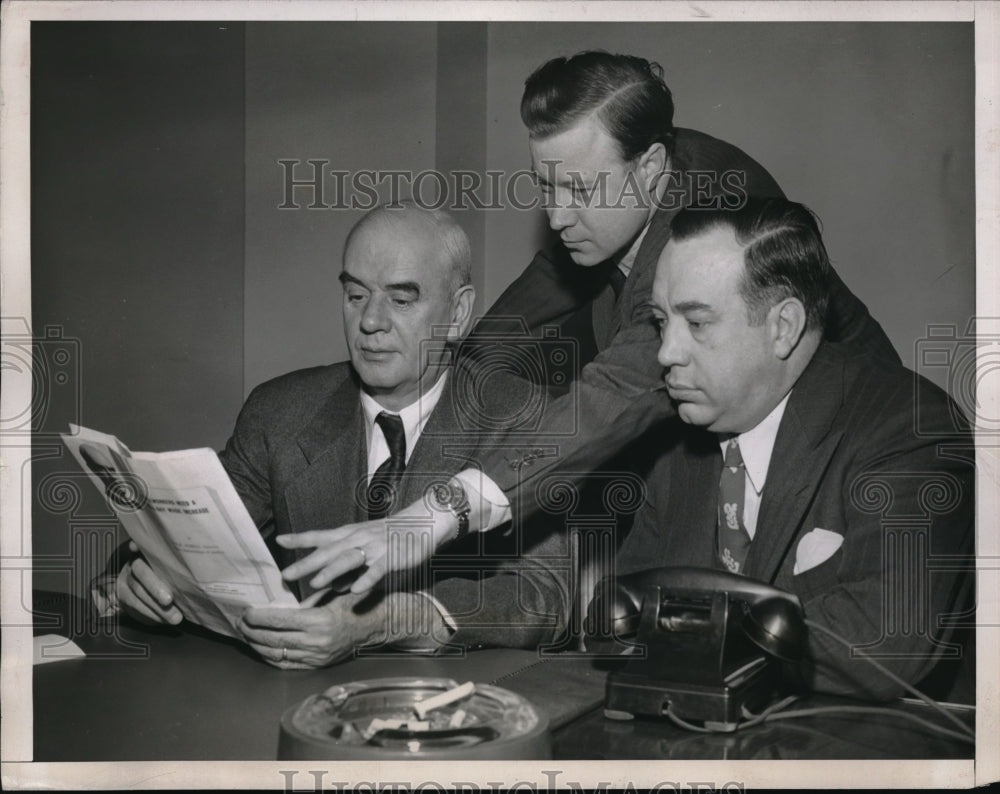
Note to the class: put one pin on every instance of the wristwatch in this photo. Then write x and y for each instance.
(451, 496)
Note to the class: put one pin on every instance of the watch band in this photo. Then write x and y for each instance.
(463, 521)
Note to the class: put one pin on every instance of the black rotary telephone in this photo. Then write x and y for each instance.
(707, 644)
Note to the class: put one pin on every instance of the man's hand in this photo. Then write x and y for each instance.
(144, 595)
(309, 637)
(397, 543)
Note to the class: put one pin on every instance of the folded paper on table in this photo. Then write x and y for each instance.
(182, 511)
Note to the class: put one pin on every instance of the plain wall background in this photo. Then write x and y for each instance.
(137, 255)
(364, 96)
(327, 92)
(158, 242)
(870, 125)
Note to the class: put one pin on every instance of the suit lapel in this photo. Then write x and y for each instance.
(427, 462)
(324, 494)
(442, 449)
(693, 475)
(606, 317)
(652, 244)
(802, 452)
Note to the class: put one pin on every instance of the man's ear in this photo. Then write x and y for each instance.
(461, 311)
(788, 323)
(652, 163)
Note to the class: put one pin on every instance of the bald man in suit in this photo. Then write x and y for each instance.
(351, 441)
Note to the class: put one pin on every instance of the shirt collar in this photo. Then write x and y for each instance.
(628, 258)
(757, 444)
(414, 416)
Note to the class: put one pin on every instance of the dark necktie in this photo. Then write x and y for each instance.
(733, 538)
(382, 487)
(617, 281)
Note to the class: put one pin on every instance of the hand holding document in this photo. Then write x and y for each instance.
(182, 511)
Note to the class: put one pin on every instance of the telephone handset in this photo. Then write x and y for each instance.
(710, 643)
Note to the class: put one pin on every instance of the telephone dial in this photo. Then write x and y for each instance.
(707, 643)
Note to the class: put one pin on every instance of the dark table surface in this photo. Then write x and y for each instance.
(186, 694)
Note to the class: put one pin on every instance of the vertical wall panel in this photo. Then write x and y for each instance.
(461, 133)
(360, 96)
(137, 236)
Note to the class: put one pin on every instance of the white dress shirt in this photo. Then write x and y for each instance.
(414, 417)
(756, 446)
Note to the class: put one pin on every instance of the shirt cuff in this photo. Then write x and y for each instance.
(449, 623)
(495, 506)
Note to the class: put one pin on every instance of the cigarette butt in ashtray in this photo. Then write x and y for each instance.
(377, 725)
(334, 725)
(426, 705)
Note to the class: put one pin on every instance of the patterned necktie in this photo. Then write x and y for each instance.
(733, 538)
(382, 487)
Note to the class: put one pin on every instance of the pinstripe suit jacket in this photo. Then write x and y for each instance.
(298, 459)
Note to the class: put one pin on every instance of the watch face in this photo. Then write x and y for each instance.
(450, 496)
(442, 494)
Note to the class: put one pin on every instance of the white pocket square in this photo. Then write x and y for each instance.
(816, 547)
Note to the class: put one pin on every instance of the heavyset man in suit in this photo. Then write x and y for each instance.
(329, 445)
(614, 171)
(798, 461)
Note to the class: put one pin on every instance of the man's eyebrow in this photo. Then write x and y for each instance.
(404, 286)
(346, 278)
(411, 287)
(692, 306)
(569, 179)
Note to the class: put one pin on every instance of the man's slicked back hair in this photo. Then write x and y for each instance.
(628, 94)
(783, 253)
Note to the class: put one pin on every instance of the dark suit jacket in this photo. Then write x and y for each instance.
(864, 449)
(298, 459)
(553, 289)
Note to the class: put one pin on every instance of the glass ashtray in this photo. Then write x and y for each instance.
(379, 718)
